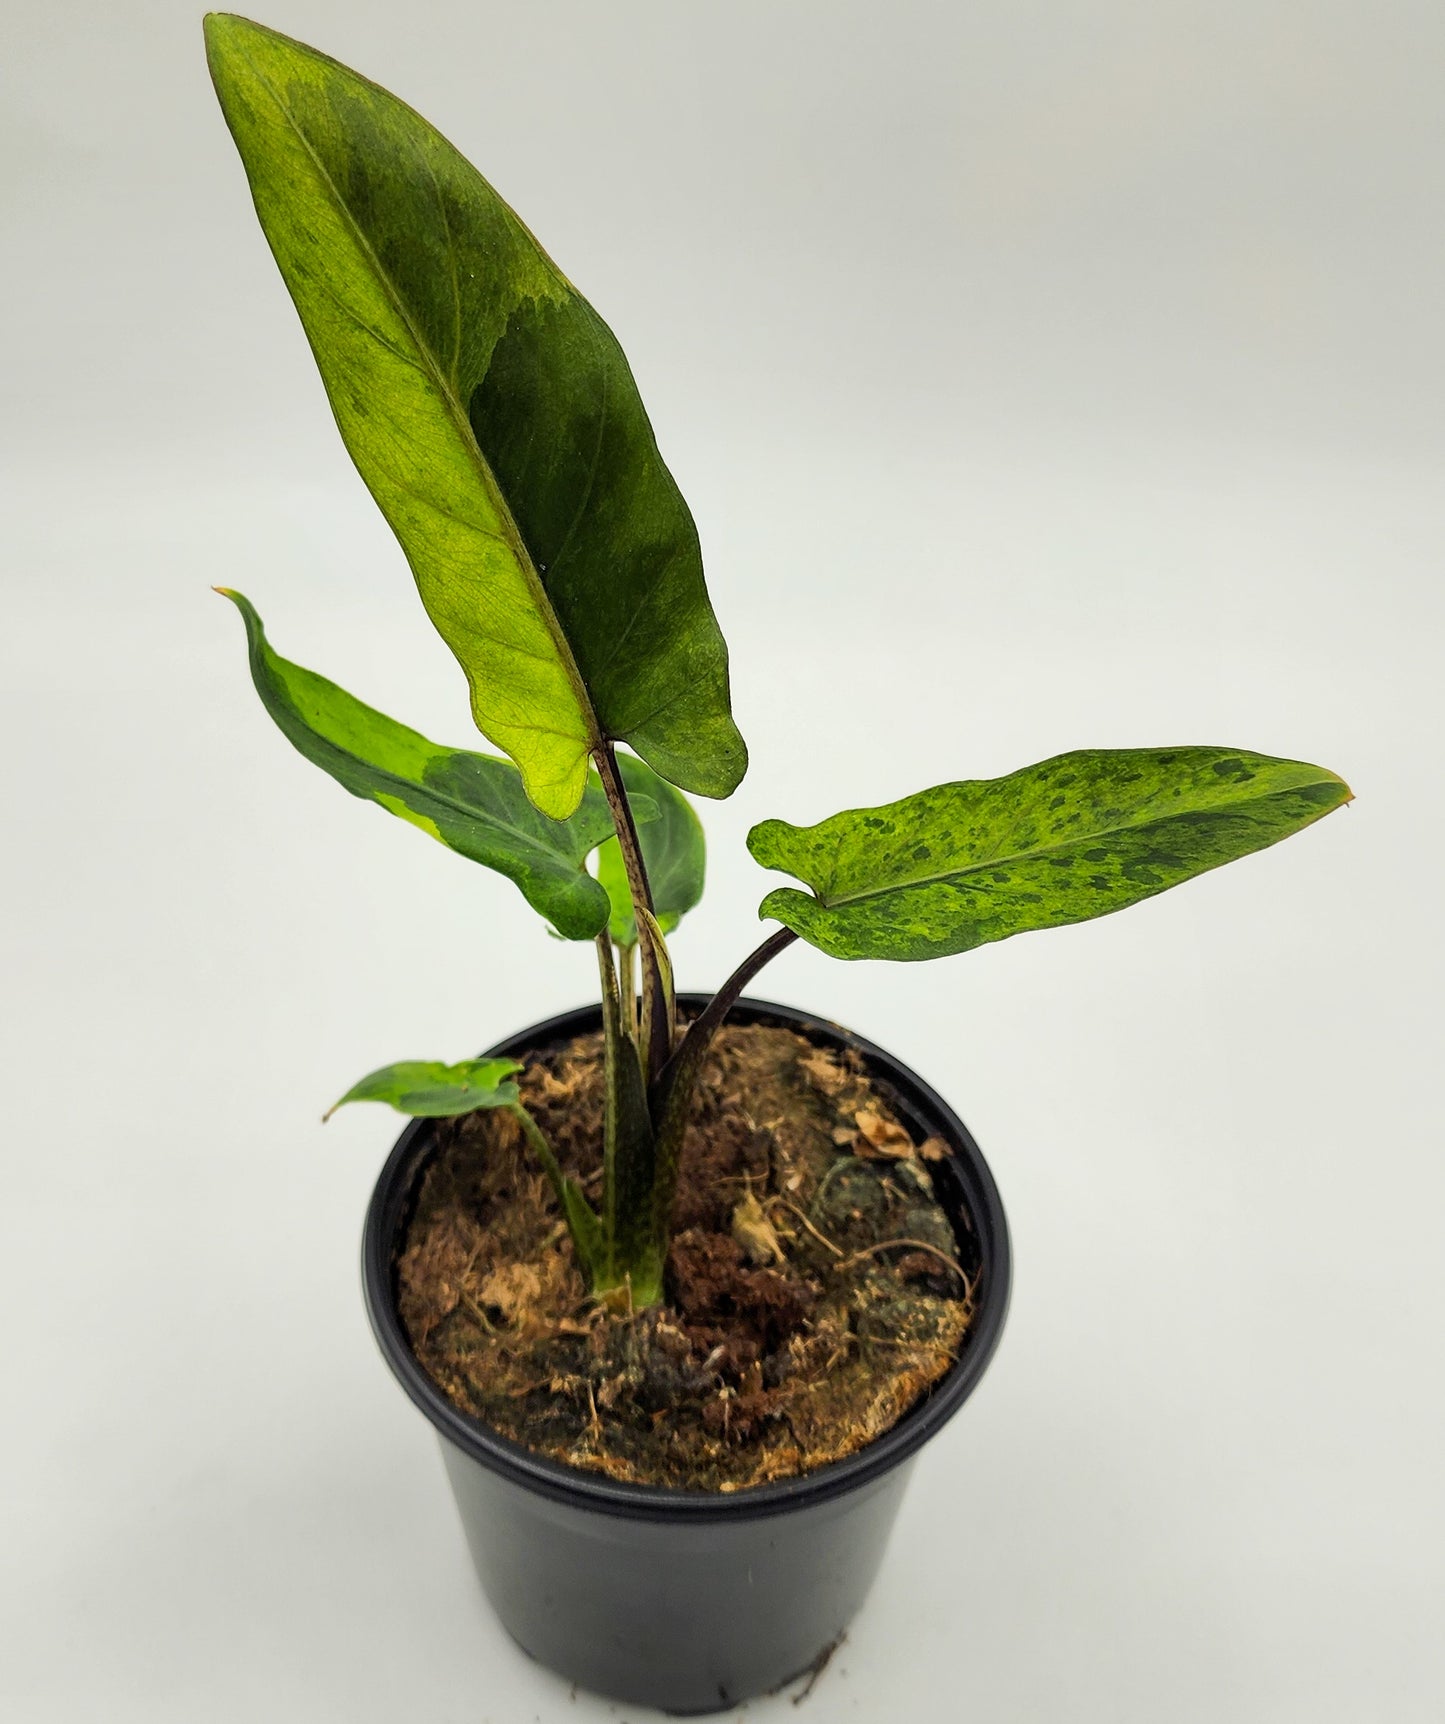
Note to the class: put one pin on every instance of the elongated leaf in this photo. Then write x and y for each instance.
(673, 849)
(472, 803)
(427, 1089)
(496, 422)
(1074, 837)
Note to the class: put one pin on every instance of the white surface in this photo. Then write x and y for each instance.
(1065, 376)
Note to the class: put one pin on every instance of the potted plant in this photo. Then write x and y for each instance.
(683, 1282)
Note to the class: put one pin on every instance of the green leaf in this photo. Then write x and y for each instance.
(495, 421)
(1075, 837)
(673, 850)
(427, 1089)
(472, 803)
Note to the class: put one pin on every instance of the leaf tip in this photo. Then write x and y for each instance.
(216, 27)
(217, 23)
(1343, 795)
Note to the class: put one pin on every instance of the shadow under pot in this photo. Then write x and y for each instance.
(689, 1601)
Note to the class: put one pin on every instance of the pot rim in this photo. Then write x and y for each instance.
(582, 1489)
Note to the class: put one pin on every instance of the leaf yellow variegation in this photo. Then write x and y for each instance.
(496, 422)
(1072, 838)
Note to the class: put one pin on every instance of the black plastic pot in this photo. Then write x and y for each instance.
(688, 1601)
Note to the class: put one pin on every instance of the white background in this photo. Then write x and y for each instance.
(1041, 376)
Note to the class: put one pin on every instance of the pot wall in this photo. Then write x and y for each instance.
(691, 1617)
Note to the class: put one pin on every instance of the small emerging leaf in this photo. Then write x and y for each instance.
(1074, 837)
(674, 853)
(471, 803)
(427, 1089)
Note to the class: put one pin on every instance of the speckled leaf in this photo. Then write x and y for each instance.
(472, 803)
(496, 422)
(1072, 838)
(427, 1089)
(673, 849)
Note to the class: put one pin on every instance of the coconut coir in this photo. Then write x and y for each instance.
(815, 1287)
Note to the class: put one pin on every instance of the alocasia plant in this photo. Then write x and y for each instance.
(495, 420)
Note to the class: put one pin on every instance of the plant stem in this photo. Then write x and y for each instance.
(670, 1096)
(706, 1025)
(627, 839)
(627, 975)
(655, 1006)
(542, 1149)
(631, 1252)
(611, 1053)
(582, 1222)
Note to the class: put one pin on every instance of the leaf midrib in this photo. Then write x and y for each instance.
(455, 409)
(1042, 850)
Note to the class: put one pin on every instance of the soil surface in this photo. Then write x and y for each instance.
(815, 1288)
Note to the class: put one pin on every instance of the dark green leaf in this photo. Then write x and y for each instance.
(496, 422)
(427, 1089)
(1074, 837)
(472, 803)
(673, 850)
